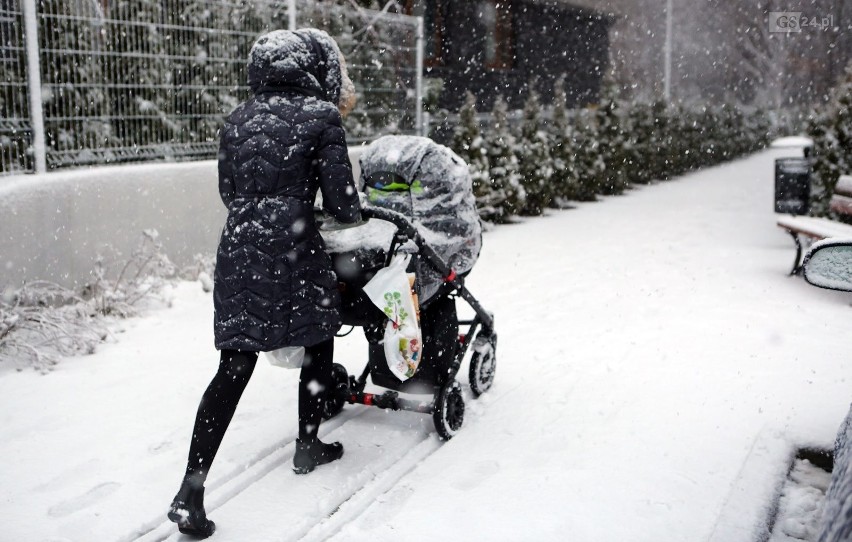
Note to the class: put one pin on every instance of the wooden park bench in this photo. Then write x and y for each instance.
(817, 229)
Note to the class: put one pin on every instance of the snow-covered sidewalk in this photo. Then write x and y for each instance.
(657, 368)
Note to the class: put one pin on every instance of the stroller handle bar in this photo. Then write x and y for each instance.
(407, 229)
(397, 219)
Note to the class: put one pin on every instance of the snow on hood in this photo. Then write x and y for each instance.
(307, 59)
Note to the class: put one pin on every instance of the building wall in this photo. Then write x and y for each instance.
(549, 39)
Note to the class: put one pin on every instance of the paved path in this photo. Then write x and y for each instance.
(656, 369)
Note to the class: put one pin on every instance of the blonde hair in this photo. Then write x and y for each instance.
(347, 89)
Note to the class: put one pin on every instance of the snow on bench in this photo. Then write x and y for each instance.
(821, 228)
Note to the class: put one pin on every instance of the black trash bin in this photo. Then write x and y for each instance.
(792, 185)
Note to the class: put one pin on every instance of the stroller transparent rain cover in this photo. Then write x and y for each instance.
(429, 184)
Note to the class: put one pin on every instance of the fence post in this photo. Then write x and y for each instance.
(419, 78)
(291, 13)
(34, 84)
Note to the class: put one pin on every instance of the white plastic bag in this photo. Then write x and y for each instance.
(289, 357)
(390, 291)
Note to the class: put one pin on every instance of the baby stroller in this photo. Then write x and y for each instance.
(419, 201)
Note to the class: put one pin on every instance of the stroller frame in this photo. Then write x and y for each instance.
(447, 404)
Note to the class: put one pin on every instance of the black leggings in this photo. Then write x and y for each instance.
(220, 400)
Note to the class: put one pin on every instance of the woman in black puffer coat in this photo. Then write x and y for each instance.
(274, 285)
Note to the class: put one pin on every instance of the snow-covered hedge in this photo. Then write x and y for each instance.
(830, 126)
(576, 154)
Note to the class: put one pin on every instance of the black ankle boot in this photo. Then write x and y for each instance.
(187, 510)
(312, 453)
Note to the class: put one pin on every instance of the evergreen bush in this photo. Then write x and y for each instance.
(470, 146)
(831, 129)
(503, 160)
(535, 161)
(642, 131)
(564, 182)
(613, 144)
(588, 160)
(602, 150)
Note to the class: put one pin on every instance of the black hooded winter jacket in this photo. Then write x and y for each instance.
(274, 285)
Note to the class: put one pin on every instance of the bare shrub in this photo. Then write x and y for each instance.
(42, 322)
(143, 275)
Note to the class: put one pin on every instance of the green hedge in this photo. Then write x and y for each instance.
(830, 126)
(577, 154)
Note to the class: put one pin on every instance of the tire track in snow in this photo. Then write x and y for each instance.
(385, 482)
(239, 497)
(228, 486)
(283, 506)
(382, 484)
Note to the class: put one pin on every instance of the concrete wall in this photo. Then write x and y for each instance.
(54, 226)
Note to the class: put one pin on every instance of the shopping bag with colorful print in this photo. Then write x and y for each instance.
(391, 290)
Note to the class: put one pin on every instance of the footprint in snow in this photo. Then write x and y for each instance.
(93, 496)
(156, 448)
(68, 476)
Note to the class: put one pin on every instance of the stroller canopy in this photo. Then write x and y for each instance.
(432, 186)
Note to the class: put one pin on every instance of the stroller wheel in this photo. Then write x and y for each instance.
(483, 364)
(336, 397)
(449, 410)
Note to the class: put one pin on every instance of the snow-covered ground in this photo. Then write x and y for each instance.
(793, 141)
(657, 369)
(800, 506)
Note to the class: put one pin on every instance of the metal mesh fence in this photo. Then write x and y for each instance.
(381, 56)
(15, 128)
(130, 80)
